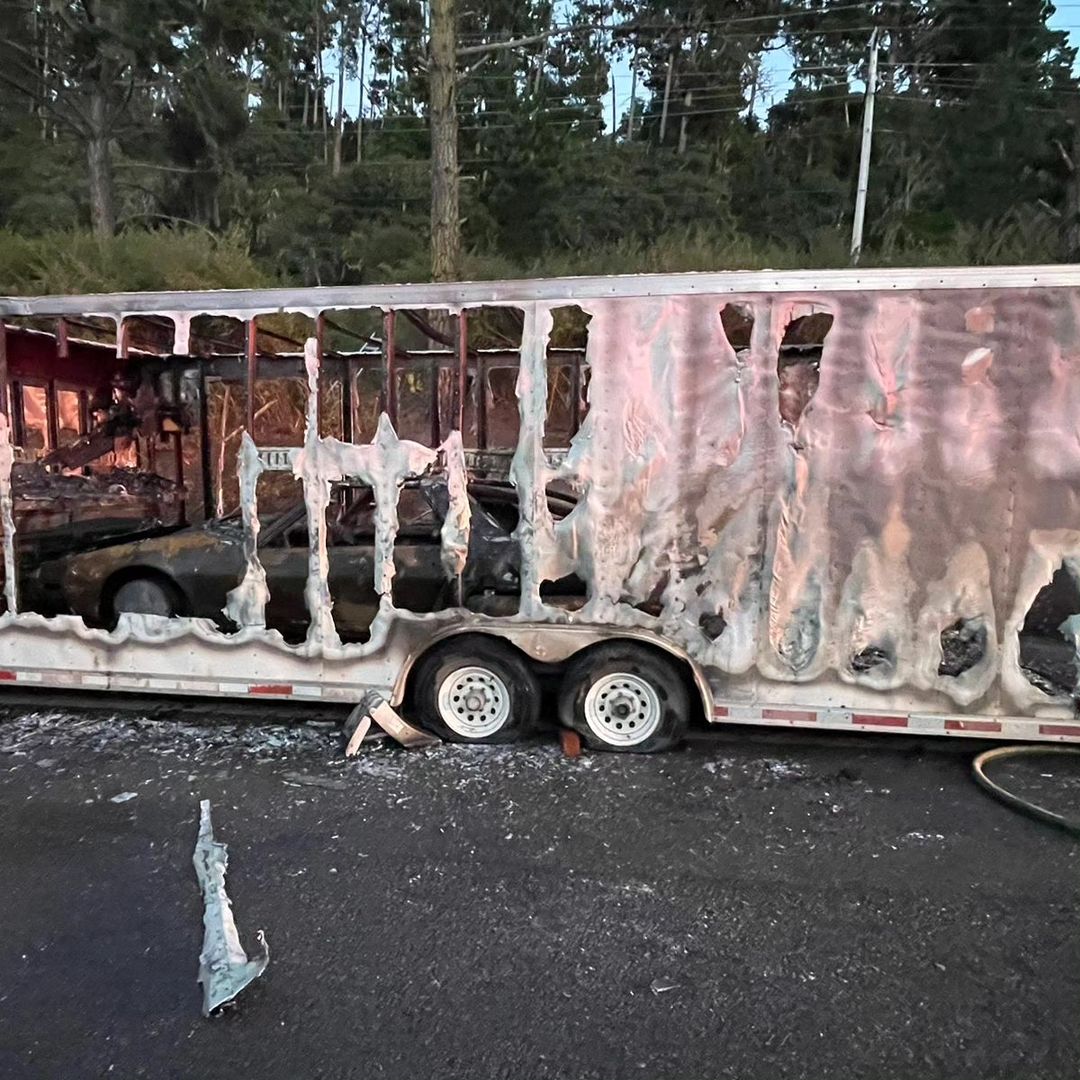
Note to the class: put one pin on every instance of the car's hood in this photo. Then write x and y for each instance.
(165, 543)
(59, 543)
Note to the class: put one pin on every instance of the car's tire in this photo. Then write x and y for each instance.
(476, 690)
(624, 697)
(145, 595)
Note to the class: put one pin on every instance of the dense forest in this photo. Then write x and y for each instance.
(178, 143)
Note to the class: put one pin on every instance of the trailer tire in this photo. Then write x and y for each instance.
(476, 690)
(625, 697)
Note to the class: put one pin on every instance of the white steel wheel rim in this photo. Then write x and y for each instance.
(473, 702)
(623, 709)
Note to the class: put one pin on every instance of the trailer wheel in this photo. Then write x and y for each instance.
(624, 697)
(476, 691)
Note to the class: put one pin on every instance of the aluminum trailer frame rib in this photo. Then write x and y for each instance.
(804, 560)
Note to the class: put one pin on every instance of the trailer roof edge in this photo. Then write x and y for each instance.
(568, 289)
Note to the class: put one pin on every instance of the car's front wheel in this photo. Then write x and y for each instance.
(144, 596)
(476, 690)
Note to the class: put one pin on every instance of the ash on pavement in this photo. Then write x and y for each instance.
(810, 907)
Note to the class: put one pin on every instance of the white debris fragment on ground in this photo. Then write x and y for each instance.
(224, 967)
(124, 796)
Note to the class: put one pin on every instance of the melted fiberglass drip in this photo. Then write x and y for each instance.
(528, 469)
(623, 459)
(700, 546)
(454, 534)
(1053, 446)
(872, 628)
(246, 604)
(181, 333)
(716, 591)
(384, 464)
(224, 967)
(872, 623)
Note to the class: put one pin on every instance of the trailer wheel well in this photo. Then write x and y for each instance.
(139, 573)
(461, 640)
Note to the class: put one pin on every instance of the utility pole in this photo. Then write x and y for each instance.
(614, 106)
(339, 124)
(667, 95)
(445, 180)
(363, 76)
(611, 53)
(688, 100)
(864, 154)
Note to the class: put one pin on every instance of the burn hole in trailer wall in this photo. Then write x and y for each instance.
(98, 426)
(492, 419)
(963, 646)
(254, 380)
(440, 372)
(798, 366)
(420, 583)
(1047, 653)
(220, 343)
(567, 375)
(283, 554)
(354, 352)
(737, 321)
(421, 374)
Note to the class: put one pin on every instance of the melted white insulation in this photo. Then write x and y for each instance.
(384, 463)
(246, 604)
(933, 477)
(224, 967)
(911, 493)
(456, 527)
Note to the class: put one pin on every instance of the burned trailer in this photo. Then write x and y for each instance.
(839, 499)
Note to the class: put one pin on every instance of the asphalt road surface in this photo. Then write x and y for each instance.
(754, 905)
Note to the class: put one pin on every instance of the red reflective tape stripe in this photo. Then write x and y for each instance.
(794, 715)
(972, 725)
(720, 710)
(271, 688)
(8, 676)
(1060, 729)
(879, 721)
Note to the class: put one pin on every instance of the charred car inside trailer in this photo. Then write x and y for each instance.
(189, 571)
